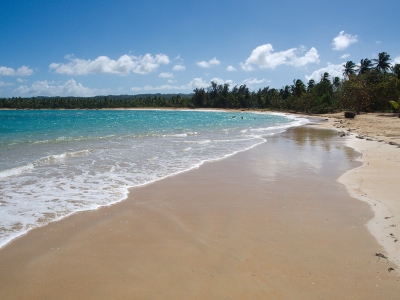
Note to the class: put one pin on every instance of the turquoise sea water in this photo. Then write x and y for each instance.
(57, 162)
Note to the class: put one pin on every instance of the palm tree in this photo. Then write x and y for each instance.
(310, 84)
(299, 88)
(349, 69)
(325, 77)
(336, 83)
(396, 70)
(382, 63)
(365, 66)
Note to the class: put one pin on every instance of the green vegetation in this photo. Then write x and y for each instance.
(396, 105)
(373, 85)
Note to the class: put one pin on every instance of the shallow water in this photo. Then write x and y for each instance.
(55, 163)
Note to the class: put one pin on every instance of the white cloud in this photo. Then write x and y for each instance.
(198, 83)
(231, 68)
(179, 68)
(396, 60)
(171, 81)
(20, 80)
(166, 75)
(193, 84)
(343, 40)
(104, 65)
(221, 81)
(50, 88)
(344, 56)
(333, 70)
(263, 57)
(22, 71)
(210, 63)
(250, 81)
(6, 83)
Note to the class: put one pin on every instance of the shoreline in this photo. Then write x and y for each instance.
(376, 180)
(293, 118)
(155, 236)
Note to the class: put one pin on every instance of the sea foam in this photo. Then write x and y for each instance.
(90, 159)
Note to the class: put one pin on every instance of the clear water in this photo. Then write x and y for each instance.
(54, 163)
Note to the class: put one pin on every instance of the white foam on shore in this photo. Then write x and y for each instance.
(16, 171)
(76, 181)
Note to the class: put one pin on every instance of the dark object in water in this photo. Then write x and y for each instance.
(349, 114)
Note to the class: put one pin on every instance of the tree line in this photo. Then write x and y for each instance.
(372, 85)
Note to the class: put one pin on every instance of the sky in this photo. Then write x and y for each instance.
(89, 48)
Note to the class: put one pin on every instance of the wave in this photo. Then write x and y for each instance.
(198, 142)
(62, 156)
(16, 171)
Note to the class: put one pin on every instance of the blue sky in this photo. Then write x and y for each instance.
(87, 48)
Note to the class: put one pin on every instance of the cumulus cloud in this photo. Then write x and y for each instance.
(343, 40)
(333, 70)
(179, 68)
(221, 81)
(193, 84)
(264, 57)
(210, 63)
(166, 75)
(345, 56)
(50, 88)
(396, 60)
(104, 65)
(250, 81)
(6, 83)
(231, 68)
(22, 71)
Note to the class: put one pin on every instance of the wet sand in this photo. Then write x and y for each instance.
(268, 223)
(377, 137)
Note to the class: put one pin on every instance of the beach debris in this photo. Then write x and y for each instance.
(380, 255)
(390, 269)
(349, 114)
(360, 137)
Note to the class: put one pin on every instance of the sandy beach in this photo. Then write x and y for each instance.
(282, 220)
(377, 137)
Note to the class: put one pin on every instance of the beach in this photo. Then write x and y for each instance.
(377, 137)
(282, 220)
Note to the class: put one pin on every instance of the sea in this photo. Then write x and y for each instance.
(54, 163)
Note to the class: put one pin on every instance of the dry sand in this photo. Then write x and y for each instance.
(268, 223)
(377, 137)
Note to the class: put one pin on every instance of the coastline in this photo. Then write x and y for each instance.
(376, 137)
(231, 228)
(295, 121)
